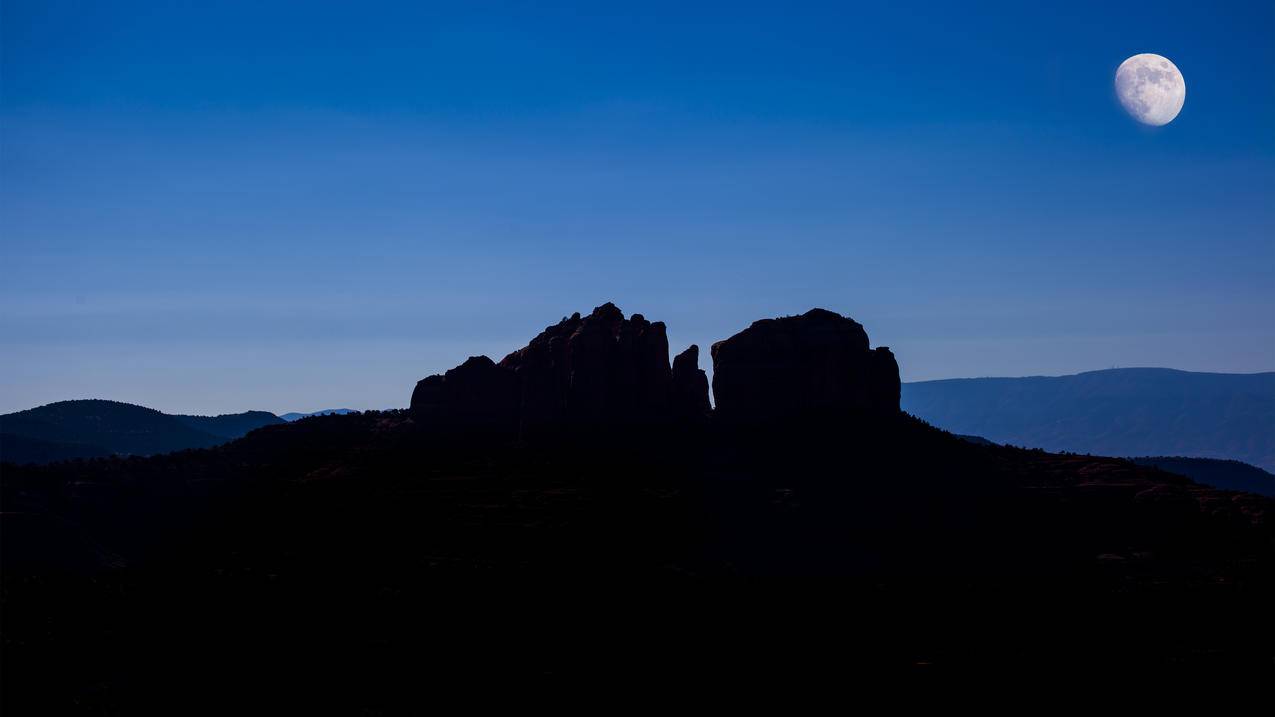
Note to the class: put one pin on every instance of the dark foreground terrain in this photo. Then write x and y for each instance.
(575, 517)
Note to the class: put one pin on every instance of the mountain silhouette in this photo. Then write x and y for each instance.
(93, 427)
(576, 513)
(1228, 475)
(1117, 412)
(296, 416)
(1215, 472)
(230, 425)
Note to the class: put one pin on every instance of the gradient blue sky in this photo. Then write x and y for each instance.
(211, 207)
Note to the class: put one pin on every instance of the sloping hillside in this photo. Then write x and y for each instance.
(1228, 475)
(1118, 412)
(230, 425)
(93, 427)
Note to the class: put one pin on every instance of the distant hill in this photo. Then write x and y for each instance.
(94, 427)
(294, 416)
(1215, 472)
(1228, 475)
(231, 425)
(1118, 412)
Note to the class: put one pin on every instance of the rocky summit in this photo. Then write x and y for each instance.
(602, 369)
(690, 385)
(819, 361)
(606, 370)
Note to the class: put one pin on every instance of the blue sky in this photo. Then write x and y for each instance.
(211, 207)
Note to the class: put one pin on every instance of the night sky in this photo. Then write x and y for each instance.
(214, 207)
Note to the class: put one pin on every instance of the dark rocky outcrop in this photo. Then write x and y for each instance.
(884, 386)
(477, 394)
(819, 361)
(603, 370)
(690, 385)
(599, 370)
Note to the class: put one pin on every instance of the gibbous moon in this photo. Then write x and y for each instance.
(1150, 88)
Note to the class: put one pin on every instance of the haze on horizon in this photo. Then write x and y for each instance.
(209, 209)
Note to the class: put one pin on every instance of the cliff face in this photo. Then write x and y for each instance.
(477, 394)
(819, 361)
(690, 385)
(599, 370)
(605, 370)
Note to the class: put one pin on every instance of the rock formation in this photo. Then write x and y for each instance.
(599, 370)
(604, 370)
(690, 385)
(477, 394)
(819, 361)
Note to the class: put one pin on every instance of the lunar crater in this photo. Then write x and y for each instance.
(1150, 88)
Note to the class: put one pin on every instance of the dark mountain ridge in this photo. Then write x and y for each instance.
(296, 415)
(1214, 472)
(230, 425)
(92, 427)
(1116, 412)
(575, 513)
(1228, 475)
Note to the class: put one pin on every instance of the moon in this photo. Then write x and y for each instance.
(1150, 88)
